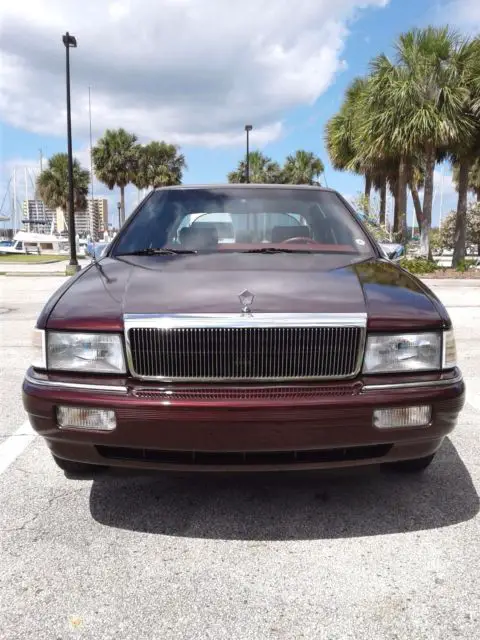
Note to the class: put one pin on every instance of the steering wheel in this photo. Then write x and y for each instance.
(299, 240)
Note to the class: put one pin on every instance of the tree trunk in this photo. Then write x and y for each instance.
(368, 189)
(383, 200)
(461, 217)
(395, 211)
(122, 205)
(416, 203)
(425, 249)
(402, 200)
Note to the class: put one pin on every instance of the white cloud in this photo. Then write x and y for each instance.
(462, 13)
(192, 71)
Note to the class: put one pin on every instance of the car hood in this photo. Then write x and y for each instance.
(100, 295)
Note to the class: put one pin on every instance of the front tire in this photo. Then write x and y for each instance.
(417, 465)
(78, 469)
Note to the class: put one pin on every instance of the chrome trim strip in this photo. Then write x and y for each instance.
(230, 321)
(39, 340)
(412, 385)
(255, 320)
(44, 347)
(76, 386)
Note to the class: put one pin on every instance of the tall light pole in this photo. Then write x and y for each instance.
(248, 128)
(70, 42)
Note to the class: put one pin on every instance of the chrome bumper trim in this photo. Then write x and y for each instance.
(103, 388)
(172, 390)
(413, 385)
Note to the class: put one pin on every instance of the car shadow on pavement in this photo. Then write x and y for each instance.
(340, 504)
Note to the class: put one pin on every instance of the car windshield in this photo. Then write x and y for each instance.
(250, 220)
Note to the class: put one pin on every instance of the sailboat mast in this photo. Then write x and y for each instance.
(14, 199)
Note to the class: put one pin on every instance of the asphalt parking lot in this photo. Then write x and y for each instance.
(343, 555)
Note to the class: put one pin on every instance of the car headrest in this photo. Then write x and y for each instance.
(244, 237)
(279, 234)
(198, 237)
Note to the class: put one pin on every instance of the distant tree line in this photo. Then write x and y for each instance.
(303, 167)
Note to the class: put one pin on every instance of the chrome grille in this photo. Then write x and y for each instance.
(244, 352)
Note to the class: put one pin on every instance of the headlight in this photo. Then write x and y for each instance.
(403, 352)
(85, 352)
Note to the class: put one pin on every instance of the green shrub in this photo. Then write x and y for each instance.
(465, 265)
(418, 265)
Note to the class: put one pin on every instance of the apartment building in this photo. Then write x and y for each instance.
(93, 221)
(37, 217)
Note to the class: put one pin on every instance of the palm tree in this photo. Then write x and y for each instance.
(302, 168)
(52, 184)
(414, 107)
(341, 136)
(115, 161)
(473, 178)
(466, 149)
(416, 181)
(262, 170)
(347, 151)
(159, 165)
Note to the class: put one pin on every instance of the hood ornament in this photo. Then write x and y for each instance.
(246, 300)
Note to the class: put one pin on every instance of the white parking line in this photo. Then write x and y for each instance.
(474, 400)
(15, 445)
(473, 392)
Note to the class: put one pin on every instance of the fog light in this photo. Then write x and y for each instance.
(82, 418)
(402, 417)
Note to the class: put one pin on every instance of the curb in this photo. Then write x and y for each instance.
(33, 264)
(32, 274)
(467, 282)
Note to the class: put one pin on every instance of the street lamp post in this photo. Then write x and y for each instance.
(70, 42)
(119, 207)
(248, 128)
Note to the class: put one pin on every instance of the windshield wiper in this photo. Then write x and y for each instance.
(158, 252)
(277, 250)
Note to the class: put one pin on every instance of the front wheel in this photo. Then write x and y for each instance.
(416, 465)
(78, 469)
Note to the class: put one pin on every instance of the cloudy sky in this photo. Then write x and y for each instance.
(194, 72)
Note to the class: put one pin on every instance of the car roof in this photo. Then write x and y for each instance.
(245, 186)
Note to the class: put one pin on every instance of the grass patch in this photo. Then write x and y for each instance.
(32, 258)
(419, 266)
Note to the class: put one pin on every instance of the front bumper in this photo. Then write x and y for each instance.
(237, 428)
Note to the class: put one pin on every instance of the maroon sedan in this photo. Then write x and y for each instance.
(243, 327)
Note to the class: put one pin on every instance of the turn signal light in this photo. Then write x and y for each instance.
(85, 418)
(402, 417)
